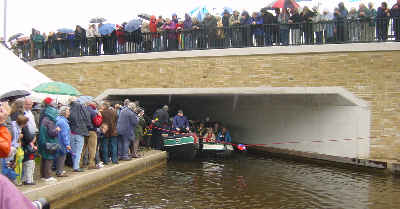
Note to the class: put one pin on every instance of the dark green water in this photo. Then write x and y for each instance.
(246, 181)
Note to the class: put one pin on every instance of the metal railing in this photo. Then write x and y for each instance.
(305, 33)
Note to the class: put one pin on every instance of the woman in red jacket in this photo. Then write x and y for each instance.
(154, 33)
(120, 32)
(5, 136)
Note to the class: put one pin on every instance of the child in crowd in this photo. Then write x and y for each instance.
(101, 135)
(209, 136)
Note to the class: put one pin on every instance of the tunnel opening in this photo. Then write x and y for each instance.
(329, 121)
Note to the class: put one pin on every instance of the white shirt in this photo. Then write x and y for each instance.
(31, 122)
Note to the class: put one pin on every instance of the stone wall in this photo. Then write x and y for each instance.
(373, 76)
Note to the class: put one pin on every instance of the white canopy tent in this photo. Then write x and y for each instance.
(18, 75)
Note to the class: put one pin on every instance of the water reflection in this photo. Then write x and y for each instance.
(249, 182)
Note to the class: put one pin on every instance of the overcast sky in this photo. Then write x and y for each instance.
(49, 15)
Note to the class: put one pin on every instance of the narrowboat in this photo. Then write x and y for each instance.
(182, 147)
(216, 149)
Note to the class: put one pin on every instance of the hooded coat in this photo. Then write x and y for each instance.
(153, 26)
(245, 20)
(48, 132)
(64, 135)
(257, 29)
(187, 24)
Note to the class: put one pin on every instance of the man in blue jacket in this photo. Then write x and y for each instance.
(180, 122)
(126, 125)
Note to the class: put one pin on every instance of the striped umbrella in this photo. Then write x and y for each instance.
(284, 4)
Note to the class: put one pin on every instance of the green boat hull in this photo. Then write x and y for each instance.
(183, 148)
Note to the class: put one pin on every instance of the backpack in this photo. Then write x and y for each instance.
(97, 121)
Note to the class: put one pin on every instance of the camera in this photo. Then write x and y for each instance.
(41, 203)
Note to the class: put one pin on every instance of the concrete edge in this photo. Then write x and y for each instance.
(237, 91)
(327, 48)
(93, 180)
(368, 163)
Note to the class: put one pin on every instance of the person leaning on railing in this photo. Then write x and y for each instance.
(38, 40)
(317, 26)
(234, 23)
(382, 22)
(210, 24)
(395, 12)
(283, 20)
(92, 35)
(147, 41)
(269, 29)
(257, 22)
(295, 25)
(353, 25)
(364, 18)
(245, 22)
(307, 16)
(372, 22)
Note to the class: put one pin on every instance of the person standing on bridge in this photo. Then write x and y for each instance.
(395, 12)
(180, 123)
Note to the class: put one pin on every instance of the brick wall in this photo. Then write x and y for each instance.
(373, 76)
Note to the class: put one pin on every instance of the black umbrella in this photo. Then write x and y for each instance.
(12, 95)
(145, 16)
(15, 36)
(97, 20)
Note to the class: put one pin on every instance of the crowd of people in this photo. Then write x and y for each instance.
(85, 134)
(287, 26)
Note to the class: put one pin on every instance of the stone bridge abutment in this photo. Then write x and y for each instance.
(304, 93)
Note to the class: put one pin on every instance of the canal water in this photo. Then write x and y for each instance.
(249, 181)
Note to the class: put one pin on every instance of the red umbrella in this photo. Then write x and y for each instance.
(284, 4)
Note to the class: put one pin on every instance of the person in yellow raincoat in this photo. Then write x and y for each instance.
(17, 136)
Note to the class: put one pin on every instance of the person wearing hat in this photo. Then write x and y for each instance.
(180, 122)
(48, 133)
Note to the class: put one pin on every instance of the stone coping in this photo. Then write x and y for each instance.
(326, 48)
(392, 166)
(80, 185)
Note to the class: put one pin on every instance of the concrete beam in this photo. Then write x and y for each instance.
(304, 49)
(348, 96)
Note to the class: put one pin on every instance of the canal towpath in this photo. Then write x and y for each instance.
(80, 184)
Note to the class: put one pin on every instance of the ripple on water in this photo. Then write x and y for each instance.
(249, 182)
